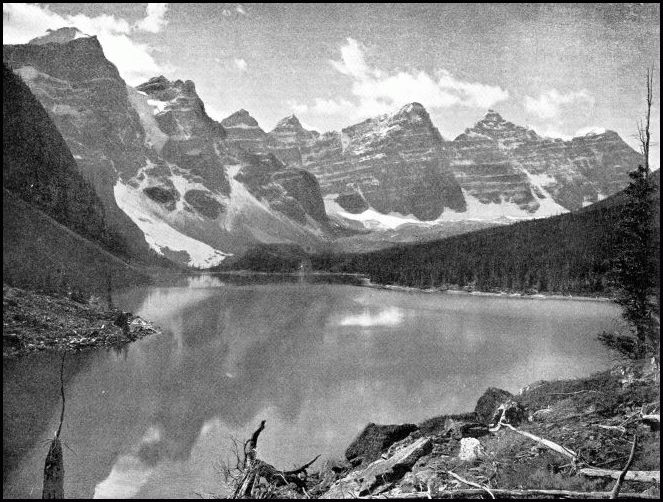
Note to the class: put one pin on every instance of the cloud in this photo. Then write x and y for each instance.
(240, 9)
(155, 20)
(297, 107)
(134, 60)
(553, 132)
(378, 91)
(589, 130)
(240, 64)
(549, 104)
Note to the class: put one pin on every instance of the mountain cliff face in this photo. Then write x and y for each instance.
(38, 167)
(87, 101)
(163, 169)
(396, 170)
(173, 180)
(497, 158)
(243, 131)
(389, 164)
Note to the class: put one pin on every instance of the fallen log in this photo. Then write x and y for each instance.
(639, 476)
(516, 493)
(546, 442)
(612, 427)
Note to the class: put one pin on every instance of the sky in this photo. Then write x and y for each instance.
(562, 69)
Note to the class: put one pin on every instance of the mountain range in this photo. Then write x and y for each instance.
(172, 180)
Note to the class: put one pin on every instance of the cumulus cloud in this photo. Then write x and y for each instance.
(134, 60)
(583, 131)
(549, 104)
(240, 9)
(240, 64)
(297, 107)
(379, 91)
(155, 20)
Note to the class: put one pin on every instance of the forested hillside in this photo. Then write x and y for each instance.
(569, 253)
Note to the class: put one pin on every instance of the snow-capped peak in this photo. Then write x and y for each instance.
(59, 36)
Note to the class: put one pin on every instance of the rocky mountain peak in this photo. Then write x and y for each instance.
(241, 118)
(413, 113)
(507, 133)
(290, 122)
(493, 120)
(159, 83)
(60, 36)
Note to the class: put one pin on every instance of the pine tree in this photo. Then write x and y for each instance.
(635, 264)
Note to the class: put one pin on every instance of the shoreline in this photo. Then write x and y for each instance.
(38, 322)
(536, 296)
(364, 281)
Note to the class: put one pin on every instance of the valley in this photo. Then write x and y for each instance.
(328, 251)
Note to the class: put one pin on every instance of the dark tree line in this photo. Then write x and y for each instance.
(568, 254)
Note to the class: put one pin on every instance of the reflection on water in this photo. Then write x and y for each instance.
(390, 316)
(316, 361)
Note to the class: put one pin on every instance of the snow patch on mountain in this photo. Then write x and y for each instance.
(159, 106)
(547, 205)
(241, 126)
(154, 136)
(478, 211)
(160, 235)
(370, 219)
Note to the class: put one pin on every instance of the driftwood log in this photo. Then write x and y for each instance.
(503, 493)
(53, 487)
(255, 471)
(639, 476)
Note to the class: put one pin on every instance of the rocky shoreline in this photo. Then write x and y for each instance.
(554, 439)
(593, 420)
(34, 322)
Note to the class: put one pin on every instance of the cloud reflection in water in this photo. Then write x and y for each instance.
(391, 316)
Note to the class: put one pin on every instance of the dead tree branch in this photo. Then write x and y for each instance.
(470, 483)
(615, 491)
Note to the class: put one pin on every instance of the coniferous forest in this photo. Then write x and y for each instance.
(567, 254)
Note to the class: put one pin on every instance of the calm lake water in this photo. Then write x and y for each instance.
(317, 361)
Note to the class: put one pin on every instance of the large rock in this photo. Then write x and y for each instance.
(489, 402)
(375, 439)
(380, 472)
(470, 449)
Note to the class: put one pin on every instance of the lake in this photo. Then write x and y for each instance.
(316, 361)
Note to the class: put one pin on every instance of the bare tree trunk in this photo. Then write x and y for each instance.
(53, 487)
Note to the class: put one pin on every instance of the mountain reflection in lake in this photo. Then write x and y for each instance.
(317, 361)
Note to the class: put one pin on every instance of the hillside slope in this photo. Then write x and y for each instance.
(40, 253)
(38, 166)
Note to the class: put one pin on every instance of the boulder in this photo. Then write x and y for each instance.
(512, 411)
(380, 472)
(374, 440)
(489, 402)
(470, 449)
